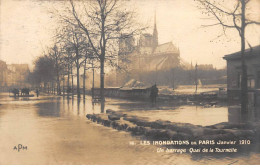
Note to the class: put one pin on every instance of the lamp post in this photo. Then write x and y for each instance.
(84, 79)
(196, 78)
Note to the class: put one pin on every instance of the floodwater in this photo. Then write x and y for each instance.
(196, 115)
(55, 131)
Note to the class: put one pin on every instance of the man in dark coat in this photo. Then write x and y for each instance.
(154, 93)
(37, 92)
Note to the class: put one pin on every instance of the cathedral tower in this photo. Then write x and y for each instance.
(155, 33)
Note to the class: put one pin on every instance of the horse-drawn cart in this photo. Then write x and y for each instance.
(25, 92)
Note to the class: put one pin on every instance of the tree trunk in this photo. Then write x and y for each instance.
(72, 84)
(78, 89)
(58, 84)
(102, 107)
(63, 86)
(103, 56)
(68, 82)
(244, 99)
(102, 80)
(93, 82)
(52, 88)
(84, 79)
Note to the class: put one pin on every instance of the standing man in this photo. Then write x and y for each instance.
(154, 93)
(37, 92)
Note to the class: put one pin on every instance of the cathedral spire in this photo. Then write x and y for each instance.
(155, 19)
(155, 32)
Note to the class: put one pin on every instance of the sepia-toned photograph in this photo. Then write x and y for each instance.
(129, 82)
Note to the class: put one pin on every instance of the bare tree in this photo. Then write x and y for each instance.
(74, 44)
(237, 19)
(103, 22)
(44, 70)
(56, 54)
(88, 59)
(61, 36)
(69, 63)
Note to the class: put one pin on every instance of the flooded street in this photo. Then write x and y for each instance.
(130, 82)
(56, 131)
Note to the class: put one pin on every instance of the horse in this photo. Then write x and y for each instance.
(15, 92)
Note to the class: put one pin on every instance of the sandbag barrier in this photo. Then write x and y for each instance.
(166, 131)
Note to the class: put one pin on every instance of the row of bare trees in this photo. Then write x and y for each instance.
(70, 52)
(88, 33)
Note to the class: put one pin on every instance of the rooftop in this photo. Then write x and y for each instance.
(147, 35)
(250, 52)
(166, 48)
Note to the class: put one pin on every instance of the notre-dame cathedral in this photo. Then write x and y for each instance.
(147, 54)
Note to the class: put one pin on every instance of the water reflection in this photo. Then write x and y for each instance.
(93, 105)
(49, 109)
(234, 113)
(84, 104)
(102, 106)
(63, 106)
(78, 106)
(186, 114)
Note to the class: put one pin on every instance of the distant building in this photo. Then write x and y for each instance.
(205, 67)
(234, 71)
(147, 54)
(3, 73)
(13, 75)
(18, 74)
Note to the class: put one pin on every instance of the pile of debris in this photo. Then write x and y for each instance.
(133, 83)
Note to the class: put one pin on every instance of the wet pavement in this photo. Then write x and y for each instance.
(56, 131)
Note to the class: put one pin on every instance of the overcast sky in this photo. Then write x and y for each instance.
(26, 28)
